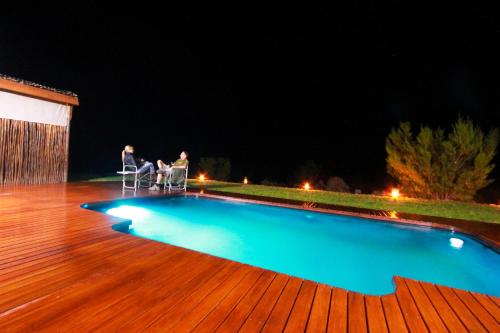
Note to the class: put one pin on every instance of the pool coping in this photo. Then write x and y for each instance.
(469, 228)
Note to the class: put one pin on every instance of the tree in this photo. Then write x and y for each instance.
(435, 165)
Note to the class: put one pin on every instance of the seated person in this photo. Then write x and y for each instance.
(164, 170)
(128, 159)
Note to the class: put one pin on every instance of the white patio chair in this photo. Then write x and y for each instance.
(137, 178)
(177, 176)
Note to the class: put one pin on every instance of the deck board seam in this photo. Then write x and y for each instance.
(257, 301)
(218, 267)
(434, 306)
(383, 312)
(187, 295)
(47, 262)
(232, 308)
(310, 309)
(494, 300)
(470, 310)
(54, 250)
(245, 272)
(90, 261)
(291, 308)
(485, 309)
(70, 312)
(274, 305)
(221, 299)
(418, 307)
(401, 311)
(329, 308)
(453, 309)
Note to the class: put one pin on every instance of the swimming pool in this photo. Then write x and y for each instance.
(348, 252)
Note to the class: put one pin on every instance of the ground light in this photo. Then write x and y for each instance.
(307, 186)
(245, 180)
(395, 193)
(201, 177)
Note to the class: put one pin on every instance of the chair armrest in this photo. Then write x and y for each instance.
(133, 167)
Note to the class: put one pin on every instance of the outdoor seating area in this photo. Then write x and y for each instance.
(172, 177)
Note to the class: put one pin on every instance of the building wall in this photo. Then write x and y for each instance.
(32, 153)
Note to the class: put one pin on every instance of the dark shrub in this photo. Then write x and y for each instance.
(337, 184)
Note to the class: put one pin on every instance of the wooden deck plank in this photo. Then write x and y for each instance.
(71, 319)
(431, 317)
(281, 311)
(337, 320)
(68, 298)
(212, 321)
(48, 263)
(240, 313)
(495, 299)
(375, 315)
(199, 307)
(356, 316)
(488, 304)
(297, 321)
(154, 297)
(468, 319)
(442, 307)
(261, 312)
(412, 316)
(488, 321)
(35, 253)
(152, 314)
(318, 319)
(393, 314)
(102, 252)
(29, 289)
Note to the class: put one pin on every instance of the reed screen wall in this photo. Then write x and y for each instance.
(32, 153)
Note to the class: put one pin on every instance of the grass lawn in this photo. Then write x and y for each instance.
(451, 209)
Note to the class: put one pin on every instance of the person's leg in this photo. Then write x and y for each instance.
(159, 178)
(161, 173)
(156, 186)
(147, 166)
(161, 165)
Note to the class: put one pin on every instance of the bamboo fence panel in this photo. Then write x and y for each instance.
(32, 153)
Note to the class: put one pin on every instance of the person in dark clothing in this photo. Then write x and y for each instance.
(142, 165)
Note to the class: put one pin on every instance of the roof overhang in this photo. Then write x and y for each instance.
(36, 92)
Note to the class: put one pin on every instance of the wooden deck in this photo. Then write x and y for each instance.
(63, 269)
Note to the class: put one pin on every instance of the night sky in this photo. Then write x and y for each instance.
(267, 85)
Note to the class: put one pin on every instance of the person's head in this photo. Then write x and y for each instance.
(129, 149)
(184, 155)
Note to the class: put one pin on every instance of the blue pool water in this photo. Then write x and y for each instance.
(348, 252)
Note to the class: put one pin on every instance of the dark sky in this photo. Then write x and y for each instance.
(268, 85)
